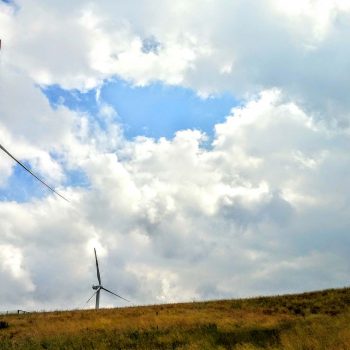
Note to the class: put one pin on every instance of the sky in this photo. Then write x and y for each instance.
(203, 147)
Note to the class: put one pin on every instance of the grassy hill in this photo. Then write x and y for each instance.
(318, 320)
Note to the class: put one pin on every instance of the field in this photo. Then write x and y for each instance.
(318, 320)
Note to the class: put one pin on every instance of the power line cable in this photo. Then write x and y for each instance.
(30, 172)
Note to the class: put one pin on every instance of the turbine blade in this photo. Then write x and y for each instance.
(115, 294)
(97, 269)
(30, 172)
(91, 297)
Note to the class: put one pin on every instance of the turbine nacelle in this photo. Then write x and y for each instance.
(96, 287)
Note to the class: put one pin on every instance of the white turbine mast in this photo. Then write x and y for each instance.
(100, 287)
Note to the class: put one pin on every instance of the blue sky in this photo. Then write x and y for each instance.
(156, 110)
(21, 187)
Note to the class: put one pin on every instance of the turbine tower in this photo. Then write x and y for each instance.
(100, 287)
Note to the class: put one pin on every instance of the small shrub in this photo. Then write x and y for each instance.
(45, 344)
(210, 327)
(267, 311)
(3, 325)
(134, 335)
(332, 312)
(298, 311)
(315, 309)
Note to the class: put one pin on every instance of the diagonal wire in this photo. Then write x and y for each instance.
(115, 294)
(30, 172)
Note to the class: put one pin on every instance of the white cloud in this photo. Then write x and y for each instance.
(175, 220)
(12, 263)
(240, 46)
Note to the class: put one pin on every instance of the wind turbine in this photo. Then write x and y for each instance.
(99, 287)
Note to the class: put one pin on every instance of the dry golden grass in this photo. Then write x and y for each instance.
(317, 320)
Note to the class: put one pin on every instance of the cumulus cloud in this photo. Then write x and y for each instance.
(262, 208)
(239, 46)
(259, 211)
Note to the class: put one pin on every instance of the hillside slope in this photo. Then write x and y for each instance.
(317, 320)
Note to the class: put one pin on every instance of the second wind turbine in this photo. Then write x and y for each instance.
(99, 287)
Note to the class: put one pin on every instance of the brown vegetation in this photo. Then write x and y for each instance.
(318, 320)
